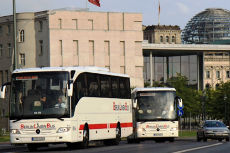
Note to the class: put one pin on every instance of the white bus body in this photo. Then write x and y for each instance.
(98, 106)
(155, 114)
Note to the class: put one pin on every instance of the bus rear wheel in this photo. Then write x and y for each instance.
(85, 142)
(118, 135)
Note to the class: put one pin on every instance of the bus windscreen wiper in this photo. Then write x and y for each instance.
(18, 119)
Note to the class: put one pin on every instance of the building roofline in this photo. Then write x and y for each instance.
(191, 47)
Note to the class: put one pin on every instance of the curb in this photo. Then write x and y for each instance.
(185, 138)
(7, 142)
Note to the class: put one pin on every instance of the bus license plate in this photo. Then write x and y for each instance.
(158, 134)
(38, 138)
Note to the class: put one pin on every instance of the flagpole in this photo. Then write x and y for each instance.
(159, 10)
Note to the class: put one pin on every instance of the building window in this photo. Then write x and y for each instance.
(3, 113)
(40, 26)
(217, 74)
(122, 48)
(90, 24)
(40, 47)
(9, 29)
(76, 47)
(60, 23)
(9, 49)
(1, 49)
(161, 39)
(22, 59)
(167, 39)
(1, 77)
(75, 21)
(207, 85)
(208, 74)
(0, 29)
(61, 47)
(173, 39)
(227, 74)
(107, 48)
(22, 36)
(7, 75)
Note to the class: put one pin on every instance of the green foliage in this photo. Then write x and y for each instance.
(186, 133)
(5, 138)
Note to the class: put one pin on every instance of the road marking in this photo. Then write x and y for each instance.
(187, 150)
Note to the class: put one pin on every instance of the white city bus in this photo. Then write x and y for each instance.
(154, 114)
(68, 105)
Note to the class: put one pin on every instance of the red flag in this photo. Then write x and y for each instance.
(95, 2)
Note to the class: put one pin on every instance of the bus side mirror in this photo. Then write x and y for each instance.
(135, 103)
(180, 103)
(70, 88)
(3, 92)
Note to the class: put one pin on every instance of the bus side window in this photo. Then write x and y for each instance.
(93, 87)
(105, 87)
(115, 92)
(79, 91)
(122, 88)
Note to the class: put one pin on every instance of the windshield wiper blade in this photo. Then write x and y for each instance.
(61, 119)
(17, 120)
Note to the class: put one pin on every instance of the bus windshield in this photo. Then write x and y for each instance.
(39, 95)
(157, 105)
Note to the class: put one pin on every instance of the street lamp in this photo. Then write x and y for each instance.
(225, 108)
(15, 36)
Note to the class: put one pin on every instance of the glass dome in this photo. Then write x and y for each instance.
(208, 26)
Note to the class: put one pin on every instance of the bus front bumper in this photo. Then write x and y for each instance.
(54, 138)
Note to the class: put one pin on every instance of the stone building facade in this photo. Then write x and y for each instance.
(72, 38)
(162, 34)
(216, 68)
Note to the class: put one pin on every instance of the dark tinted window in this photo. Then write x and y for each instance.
(79, 90)
(93, 86)
(105, 86)
(214, 124)
(124, 88)
(115, 87)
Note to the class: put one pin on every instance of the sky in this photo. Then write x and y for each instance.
(173, 12)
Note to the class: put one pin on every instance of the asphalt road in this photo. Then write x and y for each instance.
(179, 146)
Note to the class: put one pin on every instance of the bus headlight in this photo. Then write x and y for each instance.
(173, 129)
(15, 131)
(63, 129)
(141, 130)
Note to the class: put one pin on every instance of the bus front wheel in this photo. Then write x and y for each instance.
(85, 142)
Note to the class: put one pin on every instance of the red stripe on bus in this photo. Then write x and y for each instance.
(112, 125)
(104, 126)
(97, 126)
(94, 126)
(126, 125)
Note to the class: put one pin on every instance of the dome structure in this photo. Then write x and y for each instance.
(208, 26)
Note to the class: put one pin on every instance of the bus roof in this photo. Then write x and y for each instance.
(90, 69)
(154, 89)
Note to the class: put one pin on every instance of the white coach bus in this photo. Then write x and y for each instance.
(68, 105)
(155, 114)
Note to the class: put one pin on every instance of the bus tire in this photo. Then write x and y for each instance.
(32, 147)
(118, 135)
(85, 141)
(171, 139)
